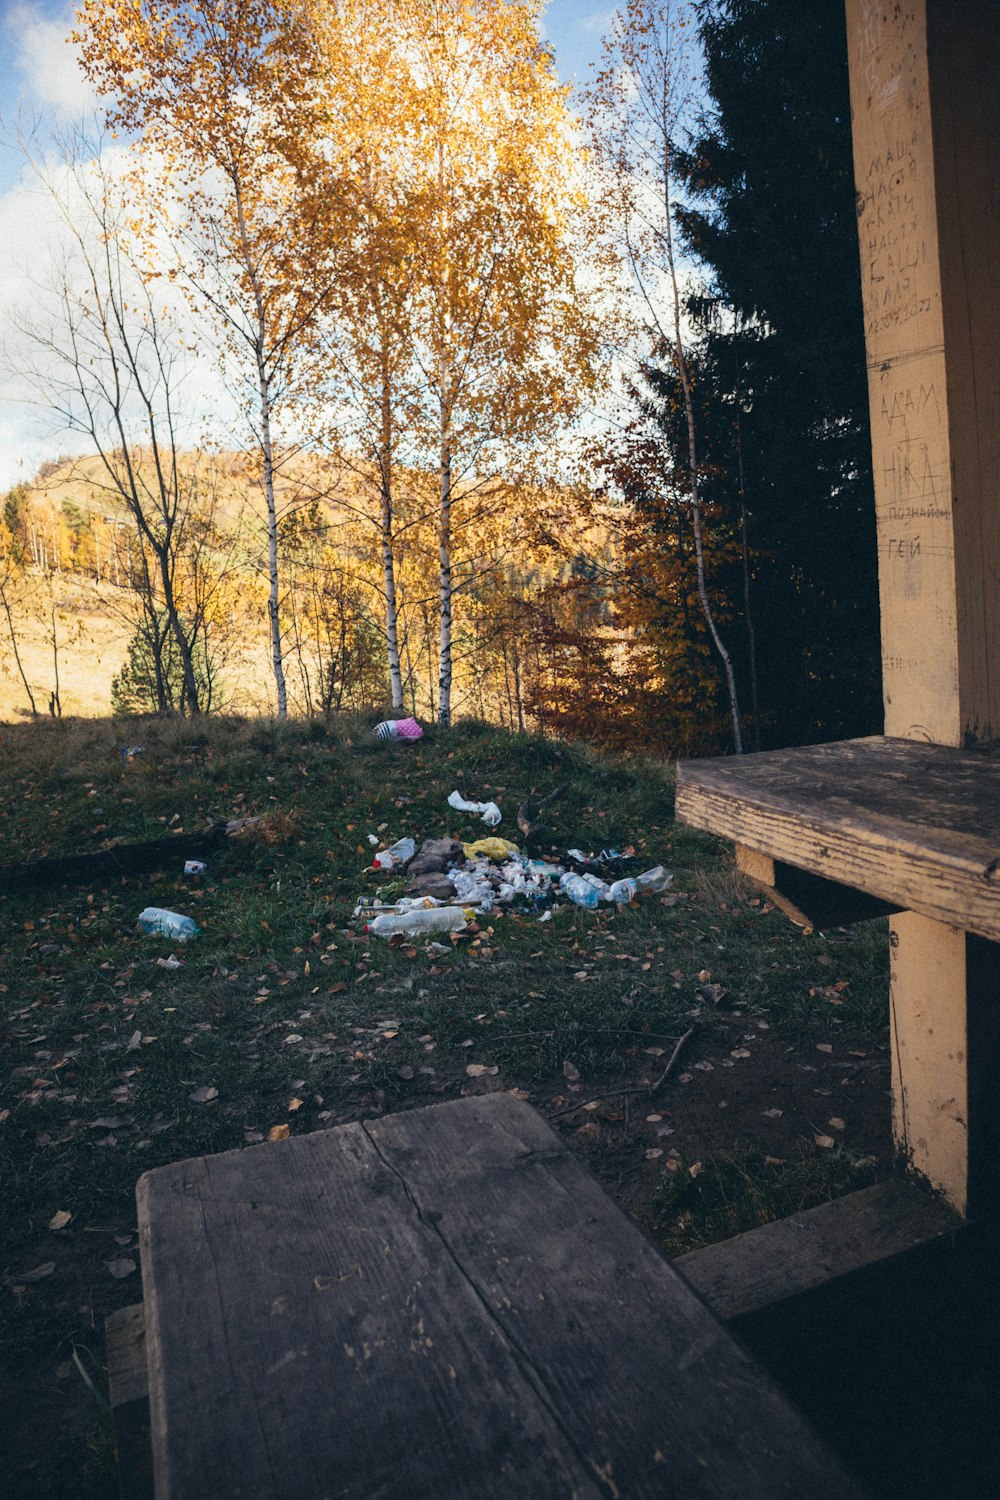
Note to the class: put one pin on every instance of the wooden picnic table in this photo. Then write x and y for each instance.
(440, 1303)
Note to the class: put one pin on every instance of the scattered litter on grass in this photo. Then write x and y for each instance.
(395, 857)
(121, 1268)
(490, 811)
(156, 921)
(194, 867)
(398, 729)
(129, 752)
(374, 840)
(491, 848)
(169, 963)
(61, 1219)
(419, 921)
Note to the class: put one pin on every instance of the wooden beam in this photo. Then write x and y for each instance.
(128, 1386)
(770, 1265)
(812, 903)
(925, 96)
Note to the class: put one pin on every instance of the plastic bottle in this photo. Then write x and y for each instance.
(654, 880)
(600, 886)
(622, 891)
(156, 921)
(579, 890)
(419, 922)
(400, 853)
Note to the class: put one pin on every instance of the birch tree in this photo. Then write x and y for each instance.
(641, 103)
(502, 336)
(209, 85)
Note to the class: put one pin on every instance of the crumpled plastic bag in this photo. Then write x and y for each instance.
(494, 848)
(491, 813)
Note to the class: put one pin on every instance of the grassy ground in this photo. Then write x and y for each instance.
(284, 1018)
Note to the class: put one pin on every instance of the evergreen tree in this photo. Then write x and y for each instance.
(781, 358)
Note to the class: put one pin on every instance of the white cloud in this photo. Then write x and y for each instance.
(598, 22)
(47, 61)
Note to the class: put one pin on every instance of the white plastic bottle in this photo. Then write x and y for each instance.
(654, 880)
(420, 922)
(400, 853)
(156, 921)
(579, 890)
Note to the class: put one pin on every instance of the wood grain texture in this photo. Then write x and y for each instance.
(916, 825)
(769, 1265)
(125, 1347)
(440, 1304)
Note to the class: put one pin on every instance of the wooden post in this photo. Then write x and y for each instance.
(925, 98)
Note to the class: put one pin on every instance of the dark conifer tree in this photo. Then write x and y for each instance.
(781, 358)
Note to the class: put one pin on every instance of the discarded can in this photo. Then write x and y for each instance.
(194, 867)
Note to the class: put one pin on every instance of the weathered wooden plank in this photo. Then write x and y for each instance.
(916, 825)
(769, 1265)
(128, 1390)
(440, 1304)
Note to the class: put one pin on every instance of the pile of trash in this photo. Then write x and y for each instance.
(448, 881)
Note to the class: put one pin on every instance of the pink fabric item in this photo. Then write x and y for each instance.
(408, 729)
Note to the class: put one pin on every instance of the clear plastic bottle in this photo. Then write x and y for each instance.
(420, 922)
(622, 891)
(579, 890)
(654, 880)
(400, 853)
(156, 921)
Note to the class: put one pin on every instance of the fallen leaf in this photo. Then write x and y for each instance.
(703, 976)
(571, 1071)
(696, 1169)
(775, 1161)
(390, 1034)
(711, 994)
(294, 1104)
(772, 1114)
(406, 1073)
(279, 1132)
(205, 1095)
(837, 1123)
(824, 1047)
(338, 988)
(39, 1273)
(60, 1220)
(741, 1052)
(294, 1037)
(654, 1119)
(121, 1268)
(826, 1141)
(478, 1070)
(581, 974)
(653, 1153)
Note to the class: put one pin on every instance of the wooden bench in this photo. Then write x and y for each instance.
(441, 1303)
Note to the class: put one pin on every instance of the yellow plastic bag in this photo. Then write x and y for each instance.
(493, 848)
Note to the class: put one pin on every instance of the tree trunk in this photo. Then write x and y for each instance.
(273, 597)
(388, 554)
(444, 552)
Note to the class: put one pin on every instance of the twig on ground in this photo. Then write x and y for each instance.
(650, 1088)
